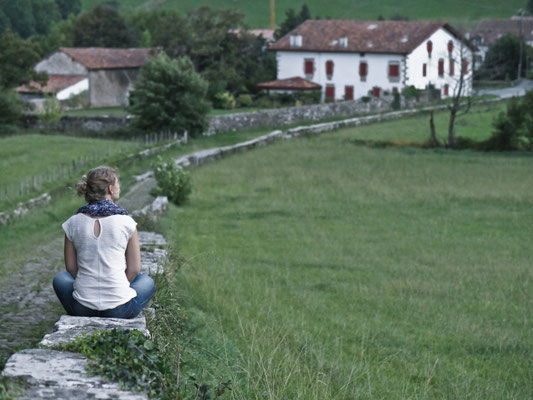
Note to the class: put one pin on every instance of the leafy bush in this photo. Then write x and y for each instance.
(140, 363)
(51, 113)
(170, 95)
(396, 104)
(224, 101)
(365, 99)
(172, 181)
(244, 100)
(410, 92)
(10, 111)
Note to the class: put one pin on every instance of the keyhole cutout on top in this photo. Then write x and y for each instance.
(97, 228)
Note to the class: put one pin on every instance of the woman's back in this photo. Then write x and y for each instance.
(101, 282)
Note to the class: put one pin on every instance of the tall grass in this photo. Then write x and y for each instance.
(316, 269)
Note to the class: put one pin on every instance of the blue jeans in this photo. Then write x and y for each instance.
(143, 285)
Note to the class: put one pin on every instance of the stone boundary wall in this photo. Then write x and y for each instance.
(99, 125)
(45, 373)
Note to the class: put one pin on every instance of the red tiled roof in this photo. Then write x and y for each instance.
(492, 29)
(106, 58)
(56, 83)
(397, 37)
(295, 83)
(268, 34)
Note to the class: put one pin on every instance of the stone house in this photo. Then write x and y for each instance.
(352, 59)
(107, 74)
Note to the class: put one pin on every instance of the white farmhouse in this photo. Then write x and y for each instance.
(352, 59)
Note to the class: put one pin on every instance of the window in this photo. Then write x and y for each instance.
(376, 91)
(329, 69)
(343, 42)
(309, 67)
(363, 70)
(429, 46)
(446, 90)
(330, 92)
(424, 69)
(348, 93)
(441, 67)
(452, 67)
(295, 40)
(465, 66)
(394, 71)
(450, 46)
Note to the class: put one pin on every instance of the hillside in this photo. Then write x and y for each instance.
(457, 12)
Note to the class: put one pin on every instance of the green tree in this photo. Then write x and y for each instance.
(45, 13)
(292, 20)
(103, 26)
(502, 59)
(170, 95)
(529, 7)
(67, 7)
(20, 16)
(18, 59)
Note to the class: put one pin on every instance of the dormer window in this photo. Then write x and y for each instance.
(296, 40)
(343, 42)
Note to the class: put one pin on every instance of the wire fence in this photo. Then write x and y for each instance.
(35, 183)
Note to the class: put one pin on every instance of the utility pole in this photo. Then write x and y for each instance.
(272, 14)
(520, 37)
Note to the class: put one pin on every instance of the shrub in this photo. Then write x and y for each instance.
(10, 108)
(365, 99)
(224, 101)
(244, 100)
(410, 92)
(51, 113)
(395, 105)
(170, 95)
(172, 181)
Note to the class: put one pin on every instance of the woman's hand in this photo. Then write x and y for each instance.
(71, 258)
(133, 257)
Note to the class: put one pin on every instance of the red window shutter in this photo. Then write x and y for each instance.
(363, 68)
(441, 67)
(330, 92)
(452, 67)
(376, 91)
(429, 45)
(446, 90)
(309, 67)
(424, 69)
(394, 70)
(329, 68)
(465, 66)
(348, 93)
(450, 46)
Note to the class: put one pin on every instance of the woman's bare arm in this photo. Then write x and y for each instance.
(133, 257)
(71, 258)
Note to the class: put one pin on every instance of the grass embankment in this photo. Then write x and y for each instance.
(317, 269)
(258, 12)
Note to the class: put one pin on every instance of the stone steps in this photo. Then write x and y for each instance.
(52, 374)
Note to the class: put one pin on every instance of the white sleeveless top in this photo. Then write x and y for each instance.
(101, 282)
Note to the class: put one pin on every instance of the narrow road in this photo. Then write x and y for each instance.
(518, 90)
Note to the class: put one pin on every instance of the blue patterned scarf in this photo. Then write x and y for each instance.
(102, 208)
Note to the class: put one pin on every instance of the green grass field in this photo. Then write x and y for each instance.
(258, 12)
(318, 269)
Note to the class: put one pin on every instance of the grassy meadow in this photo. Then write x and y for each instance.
(258, 12)
(318, 269)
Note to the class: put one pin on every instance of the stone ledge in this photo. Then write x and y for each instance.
(69, 328)
(60, 374)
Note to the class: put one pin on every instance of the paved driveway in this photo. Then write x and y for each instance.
(519, 90)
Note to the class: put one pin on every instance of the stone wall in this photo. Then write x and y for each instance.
(110, 87)
(232, 122)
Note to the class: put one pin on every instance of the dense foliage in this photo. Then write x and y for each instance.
(170, 95)
(514, 128)
(292, 20)
(103, 26)
(501, 61)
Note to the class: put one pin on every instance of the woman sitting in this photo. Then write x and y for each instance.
(102, 255)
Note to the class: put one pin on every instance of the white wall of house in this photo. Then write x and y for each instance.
(60, 64)
(345, 70)
(420, 56)
(73, 90)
